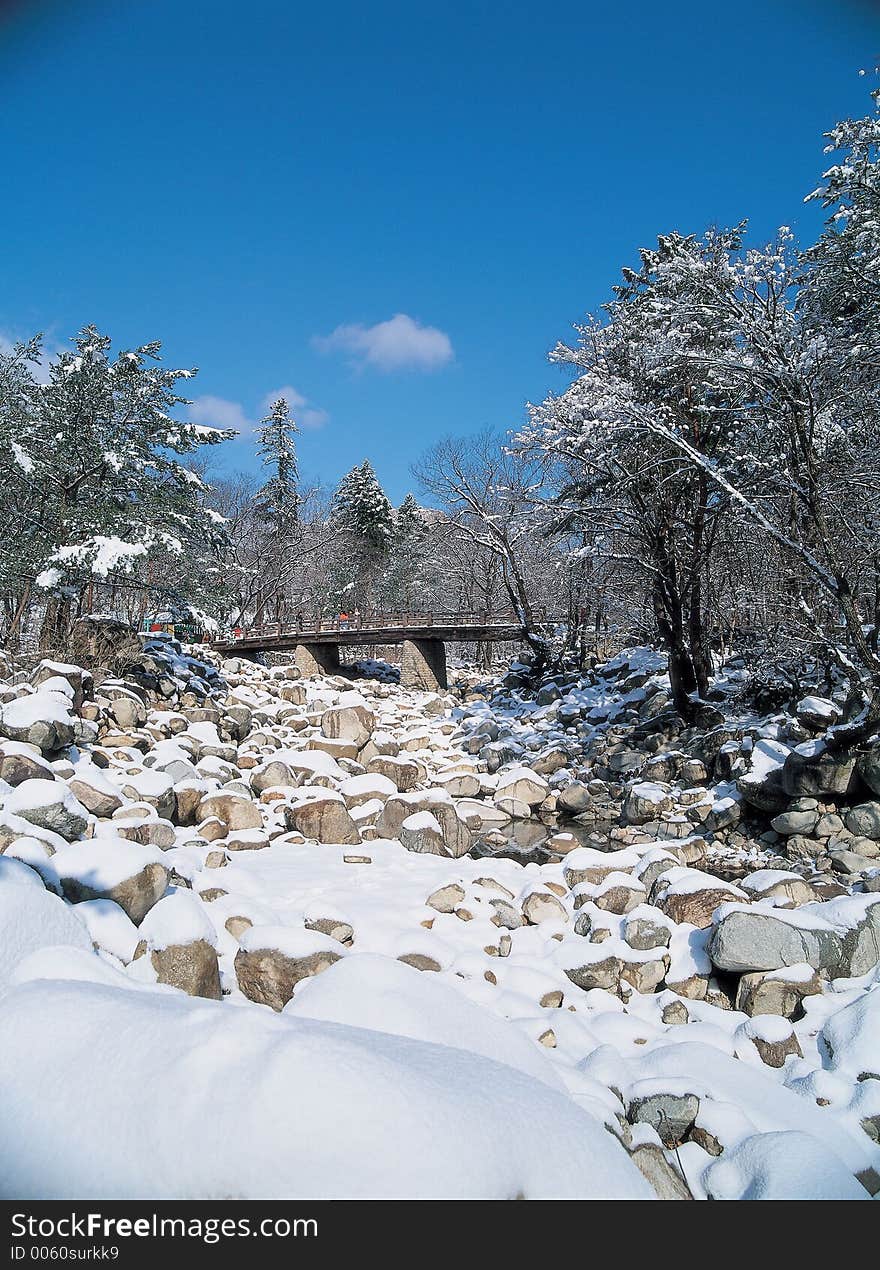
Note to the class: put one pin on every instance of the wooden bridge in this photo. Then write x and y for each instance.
(316, 642)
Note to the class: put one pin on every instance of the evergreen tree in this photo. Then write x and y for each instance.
(276, 510)
(404, 581)
(277, 502)
(97, 487)
(362, 516)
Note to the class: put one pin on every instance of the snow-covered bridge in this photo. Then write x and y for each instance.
(316, 643)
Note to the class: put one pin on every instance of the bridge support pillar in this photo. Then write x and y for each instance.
(317, 659)
(423, 664)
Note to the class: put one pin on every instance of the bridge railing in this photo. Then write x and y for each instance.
(385, 621)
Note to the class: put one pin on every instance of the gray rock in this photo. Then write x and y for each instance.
(790, 822)
(744, 942)
(868, 765)
(864, 820)
(820, 777)
(670, 1114)
(641, 933)
(575, 798)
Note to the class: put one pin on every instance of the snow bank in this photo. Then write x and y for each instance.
(385, 995)
(171, 1098)
(32, 918)
(781, 1166)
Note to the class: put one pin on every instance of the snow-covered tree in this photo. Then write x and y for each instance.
(645, 378)
(277, 502)
(404, 579)
(363, 518)
(102, 488)
(276, 510)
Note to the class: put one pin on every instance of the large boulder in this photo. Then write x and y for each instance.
(350, 719)
(691, 896)
(671, 1114)
(105, 643)
(180, 942)
(404, 772)
(841, 937)
(273, 959)
(236, 811)
(51, 805)
(132, 875)
(94, 789)
(421, 833)
(863, 820)
(41, 718)
(646, 801)
(575, 798)
(523, 784)
(22, 762)
(813, 772)
(80, 681)
(321, 814)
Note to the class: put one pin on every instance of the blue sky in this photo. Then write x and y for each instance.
(392, 209)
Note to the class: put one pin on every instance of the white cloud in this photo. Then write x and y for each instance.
(217, 412)
(401, 343)
(305, 415)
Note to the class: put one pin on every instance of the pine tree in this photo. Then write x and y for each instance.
(97, 484)
(361, 507)
(277, 502)
(362, 516)
(404, 577)
(276, 508)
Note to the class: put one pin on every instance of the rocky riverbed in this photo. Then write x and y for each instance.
(225, 887)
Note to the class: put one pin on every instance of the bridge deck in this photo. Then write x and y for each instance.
(251, 641)
(379, 628)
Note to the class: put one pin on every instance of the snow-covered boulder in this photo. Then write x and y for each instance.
(81, 681)
(350, 719)
(817, 713)
(49, 804)
(94, 789)
(179, 941)
(273, 959)
(852, 1038)
(646, 801)
(691, 896)
(235, 810)
(782, 1165)
(753, 939)
(42, 718)
(21, 762)
(385, 995)
(522, 784)
(366, 787)
(321, 814)
(421, 832)
(133, 876)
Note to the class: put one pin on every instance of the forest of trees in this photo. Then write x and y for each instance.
(708, 477)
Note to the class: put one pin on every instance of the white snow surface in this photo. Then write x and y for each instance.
(331, 1106)
(31, 918)
(386, 995)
